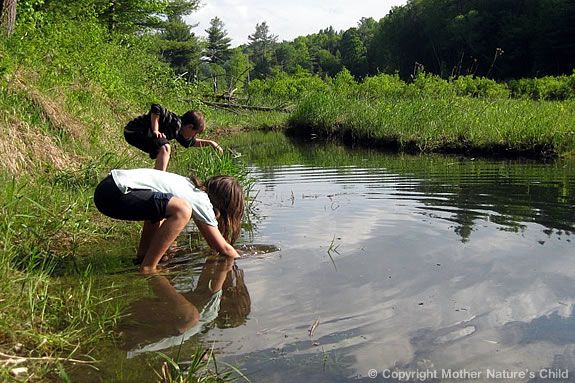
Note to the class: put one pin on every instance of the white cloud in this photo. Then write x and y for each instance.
(287, 20)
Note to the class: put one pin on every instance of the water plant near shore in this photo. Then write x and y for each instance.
(202, 367)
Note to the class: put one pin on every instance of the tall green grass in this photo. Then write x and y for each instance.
(43, 317)
(441, 124)
(467, 114)
(80, 58)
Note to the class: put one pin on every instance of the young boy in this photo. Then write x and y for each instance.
(152, 132)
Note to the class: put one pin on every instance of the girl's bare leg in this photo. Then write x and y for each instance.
(178, 214)
(148, 231)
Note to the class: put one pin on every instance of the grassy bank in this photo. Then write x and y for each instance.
(66, 92)
(464, 115)
(448, 124)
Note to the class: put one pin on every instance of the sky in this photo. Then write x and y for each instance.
(286, 19)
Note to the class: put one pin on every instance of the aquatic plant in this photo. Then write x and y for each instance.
(201, 368)
(332, 248)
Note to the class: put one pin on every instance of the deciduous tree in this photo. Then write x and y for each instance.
(237, 69)
(353, 53)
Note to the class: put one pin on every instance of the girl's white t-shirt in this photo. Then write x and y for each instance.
(164, 182)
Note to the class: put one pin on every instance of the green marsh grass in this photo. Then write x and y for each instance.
(205, 162)
(244, 120)
(448, 124)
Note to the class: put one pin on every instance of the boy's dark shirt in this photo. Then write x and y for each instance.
(169, 123)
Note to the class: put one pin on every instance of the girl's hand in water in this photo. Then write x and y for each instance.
(147, 270)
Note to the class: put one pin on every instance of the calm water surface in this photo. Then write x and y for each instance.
(405, 264)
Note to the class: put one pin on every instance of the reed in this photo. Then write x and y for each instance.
(201, 367)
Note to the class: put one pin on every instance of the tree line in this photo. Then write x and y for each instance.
(502, 39)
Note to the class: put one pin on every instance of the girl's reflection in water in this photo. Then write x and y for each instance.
(179, 310)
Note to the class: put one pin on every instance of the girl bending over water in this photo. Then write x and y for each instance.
(166, 202)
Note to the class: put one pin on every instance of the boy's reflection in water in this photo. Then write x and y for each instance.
(220, 297)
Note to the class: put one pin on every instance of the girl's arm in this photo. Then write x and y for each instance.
(186, 313)
(215, 239)
(214, 273)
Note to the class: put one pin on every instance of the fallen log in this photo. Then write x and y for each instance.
(246, 107)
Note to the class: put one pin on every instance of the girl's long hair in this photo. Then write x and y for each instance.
(227, 198)
(236, 302)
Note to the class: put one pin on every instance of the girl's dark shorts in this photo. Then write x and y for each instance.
(137, 205)
(150, 145)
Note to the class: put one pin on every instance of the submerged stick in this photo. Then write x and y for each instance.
(313, 327)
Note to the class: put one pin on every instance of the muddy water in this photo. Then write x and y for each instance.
(430, 267)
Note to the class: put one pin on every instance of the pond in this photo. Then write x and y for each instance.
(405, 267)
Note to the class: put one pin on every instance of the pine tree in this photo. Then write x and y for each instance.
(260, 48)
(180, 47)
(218, 47)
